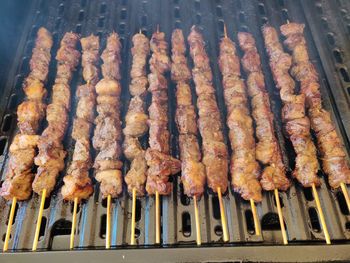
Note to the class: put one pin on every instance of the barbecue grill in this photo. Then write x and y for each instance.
(327, 33)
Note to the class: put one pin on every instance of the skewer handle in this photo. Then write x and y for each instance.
(108, 226)
(198, 226)
(280, 216)
(346, 194)
(157, 219)
(74, 221)
(256, 218)
(38, 222)
(133, 215)
(320, 212)
(223, 216)
(9, 224)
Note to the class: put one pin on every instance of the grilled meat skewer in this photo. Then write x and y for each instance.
(108, 131)
(77, 183)
(160, 164)
(333, 156)
(50, 160)
(192, 169)
(136, 117)
(267, 151)
(245, 170)
(19, 176)
(296, 123)
(215, 155)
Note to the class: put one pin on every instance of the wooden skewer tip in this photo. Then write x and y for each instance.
(74, 221)
(133, 216)
(108, 227)
(157, 218)
(198, 227)
(38, 223)
(9, 224)
(346, 195)
(225, 31)
(255, 218)
(223, 216)
(321, 215)
(280, 216)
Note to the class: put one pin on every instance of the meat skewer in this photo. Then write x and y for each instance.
(17, 185)
(209, 122)
(268, 151)
(333, 156)
(50, 159)
(192, 169)
(160, 164)
(108, 131)
(244, 168)
(136, 125)
(77, 183)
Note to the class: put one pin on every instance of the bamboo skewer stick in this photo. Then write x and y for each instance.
(38, 223)
(74, 221)
(223, 216)
(321, 215)
(157, 218)
(280, 216)
(252, 204)
(346, 194)
(9, 224)
(255, 218)
(198, 227)
(133, 215)
(108, 222)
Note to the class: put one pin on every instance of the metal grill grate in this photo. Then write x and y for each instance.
(328, 49)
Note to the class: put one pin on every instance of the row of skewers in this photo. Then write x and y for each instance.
(254, 165)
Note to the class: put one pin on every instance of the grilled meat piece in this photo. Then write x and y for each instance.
(108, 131)
(333, 156)
(51, 153)
(77, 183)
(244, 168)
(158, 159)
(19, 176)
(296, 124)
(192, 169)
(267, 149)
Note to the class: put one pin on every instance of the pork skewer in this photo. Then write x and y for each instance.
(160, 164)
(77, 183)
(50, 159)
(192, 169)
(215, 155)
(136, 125)
(268, 151)
(18, 180)
(244, 168)
(333, 156)
(108, 131)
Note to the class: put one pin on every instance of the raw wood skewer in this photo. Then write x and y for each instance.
(108, 222)
(252, 202)
(223, 216)
(280, 217)
(133, 215)
(346, 194)
(74, 221)
(161, 165)
(198, 227)
(38, 222)
(214, 149)
(192, 168)
(9, 224)
(320, 211)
